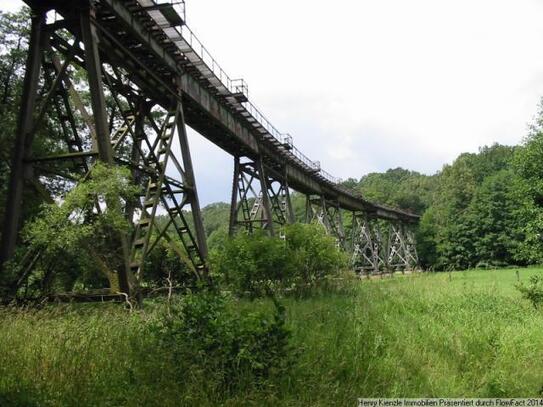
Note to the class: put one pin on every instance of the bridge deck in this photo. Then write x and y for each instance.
(148, 42)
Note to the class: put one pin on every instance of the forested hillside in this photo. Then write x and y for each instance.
(484, 209)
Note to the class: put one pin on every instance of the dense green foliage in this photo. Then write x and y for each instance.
(13, 47)
(483, 210)
(206, 338)
(216, 217)
(472, 335)
(87, 238)
(401, 188)
(533, 291)
(258, 264)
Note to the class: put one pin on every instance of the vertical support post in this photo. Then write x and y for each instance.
(325, 217)
(98, 101)
(414, 252)
(139, 134)
(127, 283)
(257, 214)
(341, 229)
(308, 210)
(375, 249)
(354, 227)
(265, 196)
(403, 248)
(382, 248)
(291, 218)
(316, 210)
(410, 249)
(23, 140)
(355, 242)
(391, 248)
(234, 201)
(364, 245)
(190, 184)
(397, 254)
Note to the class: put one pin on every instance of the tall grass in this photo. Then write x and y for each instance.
(458, 334)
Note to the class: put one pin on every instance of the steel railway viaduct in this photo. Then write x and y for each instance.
(148, 76)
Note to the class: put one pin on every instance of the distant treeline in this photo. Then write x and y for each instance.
(483, 210)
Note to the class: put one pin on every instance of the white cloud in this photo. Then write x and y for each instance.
(367, 85)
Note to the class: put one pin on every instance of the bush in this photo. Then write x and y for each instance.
(251, 265)
(163, 264)
(258, 264)
(534, 291)
(208, 340)
(312, 254)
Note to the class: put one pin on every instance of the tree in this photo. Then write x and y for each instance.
(467, 205)
(527, 164)
(408, 190)
(14, 31)
(496, 218)
(80, 230)
(312, 254)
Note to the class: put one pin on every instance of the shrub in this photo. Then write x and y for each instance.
(534, 291)
(164, 266)
(251, 265)
(258, 264)
(208, 340)
(312, 254)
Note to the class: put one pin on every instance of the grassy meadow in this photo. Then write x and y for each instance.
(459, 334)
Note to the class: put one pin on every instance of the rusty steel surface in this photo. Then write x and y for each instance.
(142, 39)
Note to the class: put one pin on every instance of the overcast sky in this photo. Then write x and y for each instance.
(369, 85)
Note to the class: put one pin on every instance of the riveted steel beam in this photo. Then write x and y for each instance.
(23, 139)
(365, 245)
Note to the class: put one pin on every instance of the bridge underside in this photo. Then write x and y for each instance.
(145, 81)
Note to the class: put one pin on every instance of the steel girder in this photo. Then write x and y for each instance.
(374, 253)
(259, 200)
(410, 246)
(402, 254)
(122, 125)
(23, 140)
(328, 214)
(153, 58)
(365, 245)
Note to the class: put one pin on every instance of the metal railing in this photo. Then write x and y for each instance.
(270, 128)
(177, 5)
(330, 177)
(240, 87)
(314, 165)
(236, 87)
